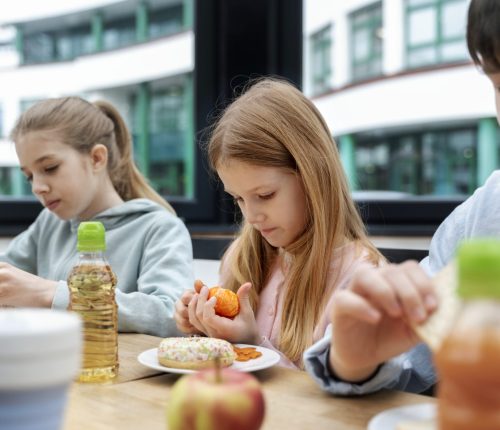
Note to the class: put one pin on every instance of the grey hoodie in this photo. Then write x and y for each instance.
(148, 248)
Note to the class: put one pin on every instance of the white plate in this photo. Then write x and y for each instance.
(149, 358)
(387, 420)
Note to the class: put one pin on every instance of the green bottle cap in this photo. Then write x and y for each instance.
(479, 269)
(91, 236)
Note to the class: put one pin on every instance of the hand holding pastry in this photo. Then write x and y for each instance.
(240, 329)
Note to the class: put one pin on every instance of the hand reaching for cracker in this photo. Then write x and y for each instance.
(376, 317)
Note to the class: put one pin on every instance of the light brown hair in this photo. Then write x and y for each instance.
(82, 125)
(274, 125)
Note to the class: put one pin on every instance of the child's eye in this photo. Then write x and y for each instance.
(266, 196)
(29, 178)
(51, 169)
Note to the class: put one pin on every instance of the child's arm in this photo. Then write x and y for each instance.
(370, 318)
(19, 284)
(23, 289)
(411, 371)
(369, 328)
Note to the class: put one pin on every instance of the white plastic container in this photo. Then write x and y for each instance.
(40, 354)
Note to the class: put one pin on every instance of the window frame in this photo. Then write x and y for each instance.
(438, 43)
(321, 43)
(369, 24)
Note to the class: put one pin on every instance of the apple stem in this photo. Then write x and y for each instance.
(218, 378)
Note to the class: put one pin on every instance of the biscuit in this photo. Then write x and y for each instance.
(438, 325)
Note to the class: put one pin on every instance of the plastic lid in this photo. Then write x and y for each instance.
(39, 348)
(91, 236)
(479, 269)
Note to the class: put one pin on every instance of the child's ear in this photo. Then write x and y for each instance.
(99, 157)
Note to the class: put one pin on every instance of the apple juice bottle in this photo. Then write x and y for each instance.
(468, 359)
(92, 295)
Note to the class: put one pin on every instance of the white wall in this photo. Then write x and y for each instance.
(436, 96)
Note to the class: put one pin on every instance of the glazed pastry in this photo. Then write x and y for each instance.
(194, 352)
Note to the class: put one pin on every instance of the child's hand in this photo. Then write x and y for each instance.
(241, 329)
(22, 289)
(181, 315)
(370, 317)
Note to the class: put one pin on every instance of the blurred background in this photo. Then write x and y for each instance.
(414, 120)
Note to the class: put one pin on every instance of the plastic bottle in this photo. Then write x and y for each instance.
(468, 361)
(92, 295)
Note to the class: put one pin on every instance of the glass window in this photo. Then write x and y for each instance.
(165, 21)
(167, 143)
(163, 135)
(454, 19)
(73, 43)
(422, 26)
(321, 60)
(431, 163)
(58, 45)
(435, 31)
(39, 48)
(119, 33)
(366, 40)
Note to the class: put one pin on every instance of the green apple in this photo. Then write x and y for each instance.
(216, 399)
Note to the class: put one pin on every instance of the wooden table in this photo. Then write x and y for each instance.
(139, 397)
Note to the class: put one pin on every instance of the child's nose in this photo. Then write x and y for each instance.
(254, 215)
(38, 186)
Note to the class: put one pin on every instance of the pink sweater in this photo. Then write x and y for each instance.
(271, 298)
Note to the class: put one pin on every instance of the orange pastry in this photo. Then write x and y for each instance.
(227, 304)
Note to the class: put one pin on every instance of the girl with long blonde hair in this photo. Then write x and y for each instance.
(301, 237)
(78, 158)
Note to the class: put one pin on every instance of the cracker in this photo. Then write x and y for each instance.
(247, 353)
(437, 326)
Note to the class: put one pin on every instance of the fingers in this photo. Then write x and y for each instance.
(181, 317)
(373, 286)
(183, 324)
(412, 287)
(425, 285)
(193, 319)
(244, 298)
(349, 303)
(399, 290)
(198, 285)
(196, 309)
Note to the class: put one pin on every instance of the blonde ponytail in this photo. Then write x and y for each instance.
(126, 178)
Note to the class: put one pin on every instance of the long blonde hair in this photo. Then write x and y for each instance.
(82, 125)
(273, 124)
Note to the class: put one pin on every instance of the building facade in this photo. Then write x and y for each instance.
(409, 111)
(137, 55)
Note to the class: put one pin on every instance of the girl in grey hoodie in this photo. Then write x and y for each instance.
(78, 158)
